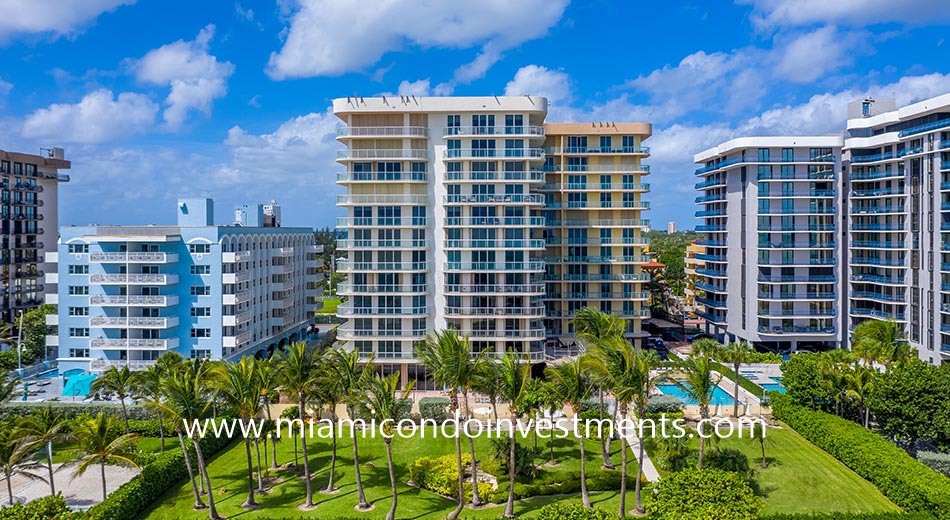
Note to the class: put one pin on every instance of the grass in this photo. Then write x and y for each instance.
(802, 478)
(329, 306)
(229, 477)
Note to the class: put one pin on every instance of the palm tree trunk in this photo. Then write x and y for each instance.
(585, 496)
(494, 409)
(303, 449)
(453, 409)
(9, 486)
(333, 453)
(161, 431)
(260, 469)
(250, 475)
(125, 416)
(623, 476)
(762, 444)
(273, 444)
(604, 441)
(392, 479)
(510, 506)
(102, 472)
(476, 501)
(360, 494)
(637, 485)
(49, 466)
(191, 473)
(203, 468)
(703, 412)
(735, 405)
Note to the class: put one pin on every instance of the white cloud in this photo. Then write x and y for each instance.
(5, 87)
(196, 78)
(56, 17)
(413, 88)
(98, 117)
(779, 13)
(797, 61)
(329, 38)
(540, 81)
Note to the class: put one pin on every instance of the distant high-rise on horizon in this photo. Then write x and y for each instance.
(845, 228)
(670, 227)
(472, 213)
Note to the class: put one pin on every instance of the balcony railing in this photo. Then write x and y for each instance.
(463, 131)
(398, 200)
(463, 153)
(346, 288)
(493, 199)
(536, 288)
(133, 257)
(943, 123)
(796, 330)
(537, 311)
(382, 244)
(740, 160)
(377, 176)
(596, 150)
(350, 266)
(133, 344)
(145, 323)
(100, 365)
(382, 131)
(493, 244)
(494, 266)
(516, 175)
(346, 222)
(349, 309)
(140, 300)
(140, 279)
(494, 221)
(399, 153)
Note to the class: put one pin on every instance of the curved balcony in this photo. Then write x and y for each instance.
(348, 266)
(477, 176)
(536, 311)
(877, 279)
(494, 199)
(378, 176)
(377, 200)
(506, 267)
(382, 132)
(408, 154)
(495, 244)
(528, 131)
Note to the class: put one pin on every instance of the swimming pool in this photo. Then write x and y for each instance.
(719, 395)
(774, 387)
(49, 374)
(78, 385)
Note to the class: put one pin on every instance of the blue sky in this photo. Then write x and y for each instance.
(156, 100)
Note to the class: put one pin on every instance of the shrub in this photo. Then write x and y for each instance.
(135, 496)
(838, 515)
(708, 494)
(907, 482)
(440, 475)
(500, 453)
(664, 403)
(572, 512)
(939, 462)
(803, 381)
(434, 408)
(591, 403)
(71, 410)
(728, 459)
(46, 508)
(560, 482)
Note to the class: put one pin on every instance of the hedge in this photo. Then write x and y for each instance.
(434, 408)
(135, 496)
(939, 462)
(838, 515)
(707, 494)
(72, 410)
(744, 382)
(573, 512)
(907, 482)
(440, 475)
(562, 482)
(46, 508)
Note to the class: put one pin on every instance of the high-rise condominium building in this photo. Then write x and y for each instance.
(447, 226)
(593, 226)
(30, 189)
(898, 165)
(129, 293)
(772, 266)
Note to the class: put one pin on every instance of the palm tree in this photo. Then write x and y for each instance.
(758, 436)
(833, 366)
(10, 386)
(147, 387)
(116, 381)
(98, 443)
(735, 353)
(698, 384)
(240, 386)
(329, 390)
(267, 369)
(859, 383)
(441, 354)
(16, 456)
(593, 327)
(881, 340)
(705, 347)
(386, 407)
(352, 375)
(42, 428)
(643, 380)
(189, 398)
(513, 379)
(297, 371)
(570, 385)
(486, 383)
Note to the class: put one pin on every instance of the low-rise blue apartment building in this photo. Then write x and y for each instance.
(127, 294)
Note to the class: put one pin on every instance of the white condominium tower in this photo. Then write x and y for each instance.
(772, 268)
(447, 226)
(898, 165)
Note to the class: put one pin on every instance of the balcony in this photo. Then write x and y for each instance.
(495, 266)
(863, 226)
(745, 160)
(626, 204)
(493, 199)
(873, 278)
(479, 153)
(105, 322)
(597, 186)
(872, 158)
(133, 279)
(347, 309)
(796, 296)
(236, 319)
(712, 317)
(350, 289)
(597, 150)
(505, 334)
(235, 342)
(861, 210)
(598, 295)
(235, 257)
(348, 266)
(134, 301)
(495, 244)
(348, 332)
(101, 365)
(711, 228)
(878, 244)
(869, 295)
(796, 330)
(393, 200)
(894, 262)
(712, 273)
(874, 175)
(714, 304)
(354, 132)
(711, 183)
(489, 131)
(537, 311)
(133, 344)
(374, 244)
(236, 298)
(495, 221)
(874, 313)
(795, 211)
(232, 278)
(135, 257)
(378, 176)
(596, 277)
(399, 153)
(619, 222)
(369, 222)
(879, 193)
(943, 123)
(518, 175)
(537, 288)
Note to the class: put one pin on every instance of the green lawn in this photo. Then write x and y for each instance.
(228, 471)
(329, 306)
(802, 478)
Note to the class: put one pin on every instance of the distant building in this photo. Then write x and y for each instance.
(670, 227)
(29, 205)
(129, 293)
(693, 279)
(271, 214)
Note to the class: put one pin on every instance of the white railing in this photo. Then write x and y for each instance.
(234, 257)
(157, 323)
(382, 131)
(139, 344)
(142, 300)
(133, 279)
(133, 257)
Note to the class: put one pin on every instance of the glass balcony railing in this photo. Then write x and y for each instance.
(870, 295)
(377, 176)
(463, 131)
(737, 160)
(592, 150)
(943, 123)
(872, 158)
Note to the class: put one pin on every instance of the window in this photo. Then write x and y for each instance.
(201, 312)
(200, 290)
(201, 269)
(78, 248)
(788, 154)
(79, 269)
(79, 311)
(78, 332)
(201, 333)
(763, 155)
(78, 290)
(199, 248)
(627, 142)
(605, 143)
(453, 122)
(200, 353)
(514, 124)
(79, 352)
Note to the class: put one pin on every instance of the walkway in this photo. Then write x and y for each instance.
(80, 492)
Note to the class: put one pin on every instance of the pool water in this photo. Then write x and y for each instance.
(78, 385)
(719, 395)
(52, 374)
(775, 387)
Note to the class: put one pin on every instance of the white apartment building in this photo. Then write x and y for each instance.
(450, 206)
(898, 169)
(772, 273)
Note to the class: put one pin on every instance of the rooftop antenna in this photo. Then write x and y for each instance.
(414, 99)
(497, 100)
(529, 98)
